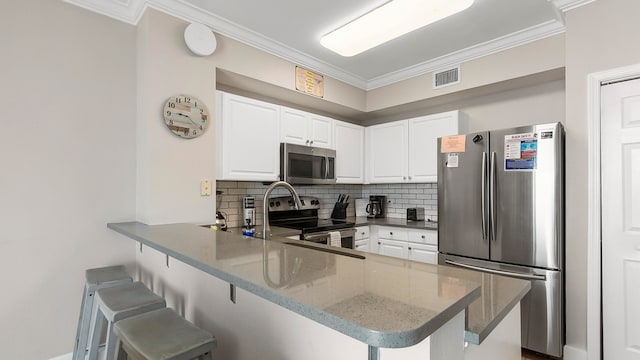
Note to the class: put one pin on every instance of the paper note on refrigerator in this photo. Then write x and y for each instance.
(452, 160)
(455, 143)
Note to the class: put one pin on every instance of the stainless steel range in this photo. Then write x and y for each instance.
(282, 213)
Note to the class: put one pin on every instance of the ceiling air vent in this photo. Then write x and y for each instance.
(446, 77)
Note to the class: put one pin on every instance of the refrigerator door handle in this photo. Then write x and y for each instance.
(492, 195)
(484, 196)
(498, 272)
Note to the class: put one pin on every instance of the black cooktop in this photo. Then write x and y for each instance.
(313, 225)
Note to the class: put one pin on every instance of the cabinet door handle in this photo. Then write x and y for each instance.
(409, 177)
(423, 236)
(362, 233)
(404, 178)
(307, 142)
(311, 143)
(390, 232)
(378, 242)
(409, 248)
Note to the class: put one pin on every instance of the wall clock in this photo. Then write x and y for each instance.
(186, 116)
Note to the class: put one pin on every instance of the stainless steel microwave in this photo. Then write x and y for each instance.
(307, 165)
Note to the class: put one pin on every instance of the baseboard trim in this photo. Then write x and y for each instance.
(572, 353)
(68, 356)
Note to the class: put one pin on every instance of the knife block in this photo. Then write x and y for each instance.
(339, 211)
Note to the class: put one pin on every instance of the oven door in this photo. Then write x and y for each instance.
(347, 237)
(307, 165)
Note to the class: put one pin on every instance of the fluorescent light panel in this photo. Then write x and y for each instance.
(389, 21)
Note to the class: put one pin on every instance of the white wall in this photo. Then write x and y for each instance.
(600, 36)
(68, 166)
(171, 168)
(536, 57)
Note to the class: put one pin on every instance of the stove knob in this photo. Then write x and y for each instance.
(271, 204)
(277, 203)
(302, 202)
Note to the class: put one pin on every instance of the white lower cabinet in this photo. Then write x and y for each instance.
(361, 238)
(423, 253)
(411, 244)
(393, 248)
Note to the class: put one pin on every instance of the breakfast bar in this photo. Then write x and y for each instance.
(264, 296)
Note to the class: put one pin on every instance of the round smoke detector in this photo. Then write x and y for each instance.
(200, 39)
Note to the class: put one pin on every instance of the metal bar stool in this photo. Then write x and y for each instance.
(162, 335)
(117, 303)
(95, 279)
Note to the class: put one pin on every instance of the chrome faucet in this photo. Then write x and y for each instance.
(266, 229)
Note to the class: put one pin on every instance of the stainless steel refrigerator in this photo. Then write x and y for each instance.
(501, 210)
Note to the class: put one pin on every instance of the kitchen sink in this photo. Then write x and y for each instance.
(332, 251)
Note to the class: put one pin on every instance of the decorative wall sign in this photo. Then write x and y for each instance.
(186, 116)
(309, 82)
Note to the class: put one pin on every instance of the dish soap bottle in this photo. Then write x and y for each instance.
(248, 230)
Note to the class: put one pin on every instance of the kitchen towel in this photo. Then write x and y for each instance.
(334, 238)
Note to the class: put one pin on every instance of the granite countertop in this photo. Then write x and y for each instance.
(381, 301)
(421, 225)
(275, 231)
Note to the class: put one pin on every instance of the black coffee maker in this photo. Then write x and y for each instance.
(376, 208)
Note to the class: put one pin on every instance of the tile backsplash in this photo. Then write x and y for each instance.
(399, 198)
(403, 196)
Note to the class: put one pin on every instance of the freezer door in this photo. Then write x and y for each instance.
(526, 169)
(462, 206)
(541, 310)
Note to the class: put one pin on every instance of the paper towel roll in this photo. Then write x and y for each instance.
(361, 207)
(334, 238)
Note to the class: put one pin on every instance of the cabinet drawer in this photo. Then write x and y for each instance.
(423, 253)
(424, 237)
(393, 233)
(362, 245)
(362, 232)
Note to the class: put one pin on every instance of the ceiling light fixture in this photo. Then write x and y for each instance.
(389, 21)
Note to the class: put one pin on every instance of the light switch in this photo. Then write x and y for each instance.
(205, 187)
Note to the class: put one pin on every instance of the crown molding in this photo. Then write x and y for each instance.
(183, 10)
(506, 42)
(130, 12)
(566, 5)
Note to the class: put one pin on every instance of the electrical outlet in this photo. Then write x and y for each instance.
(205, 187)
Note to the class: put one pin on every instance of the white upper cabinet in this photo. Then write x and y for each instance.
(424, 132)
(248, 139)
(303, 128)
(406, 150)
(387, 152)
(349, 145)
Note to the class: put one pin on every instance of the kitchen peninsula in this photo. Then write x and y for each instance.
(274, 300)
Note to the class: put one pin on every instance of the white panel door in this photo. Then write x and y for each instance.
(424, 132)
(321, 131)
(248, 140)
(387, 152)
(621, 220)
(423, 253)
(349, 144)
(392, 248)
(294, 126)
